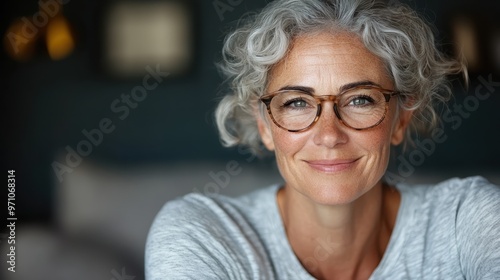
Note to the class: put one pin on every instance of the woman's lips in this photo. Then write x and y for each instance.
(332, 166)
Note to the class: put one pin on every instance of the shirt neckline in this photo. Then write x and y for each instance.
(295, 268)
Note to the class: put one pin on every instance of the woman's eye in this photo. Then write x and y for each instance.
(361, 101)
(296, 103)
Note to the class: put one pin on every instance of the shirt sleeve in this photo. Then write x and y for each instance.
(187, 241)
(478, 230)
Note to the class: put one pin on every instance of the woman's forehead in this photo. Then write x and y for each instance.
(328, 49)
(327, 58)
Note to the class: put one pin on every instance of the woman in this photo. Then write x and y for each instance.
(329, 87)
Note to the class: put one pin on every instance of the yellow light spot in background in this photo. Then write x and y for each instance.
(59, 40)
(19, 40)
(466, 42)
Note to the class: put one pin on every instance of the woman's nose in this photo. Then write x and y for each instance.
(329, 130)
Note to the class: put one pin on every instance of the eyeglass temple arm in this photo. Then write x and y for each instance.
(389, 95)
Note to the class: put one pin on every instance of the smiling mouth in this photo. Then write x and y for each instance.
(332, 166)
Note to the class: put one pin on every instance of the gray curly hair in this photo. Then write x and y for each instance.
(395, 33)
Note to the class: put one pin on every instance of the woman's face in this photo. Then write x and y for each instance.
(331, 163)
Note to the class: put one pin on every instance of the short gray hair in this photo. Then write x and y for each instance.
(394, 33)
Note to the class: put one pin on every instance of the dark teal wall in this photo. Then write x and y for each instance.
(47, 104)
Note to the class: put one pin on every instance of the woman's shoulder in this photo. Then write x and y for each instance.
(205, 205)
(472, 200)
(454, 190)
(201, 210)
(453, 225)
(469, 211)
(211, 232)
(451, 207)
(452, 200)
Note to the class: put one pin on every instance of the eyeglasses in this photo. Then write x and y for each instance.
(359, 108)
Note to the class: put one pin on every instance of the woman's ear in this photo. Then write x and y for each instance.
(399, 130)
(265, 132)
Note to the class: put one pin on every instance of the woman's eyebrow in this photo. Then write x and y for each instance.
(357, 84)
(309, 90)
(345, 87)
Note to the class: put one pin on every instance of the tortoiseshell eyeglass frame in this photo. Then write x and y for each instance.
(266, 99)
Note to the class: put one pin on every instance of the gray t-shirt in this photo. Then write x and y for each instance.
(447, 231)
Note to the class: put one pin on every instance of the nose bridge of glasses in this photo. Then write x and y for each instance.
(327, 98)
(324, 98)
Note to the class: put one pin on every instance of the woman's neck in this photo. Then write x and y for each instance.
(347, 241)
